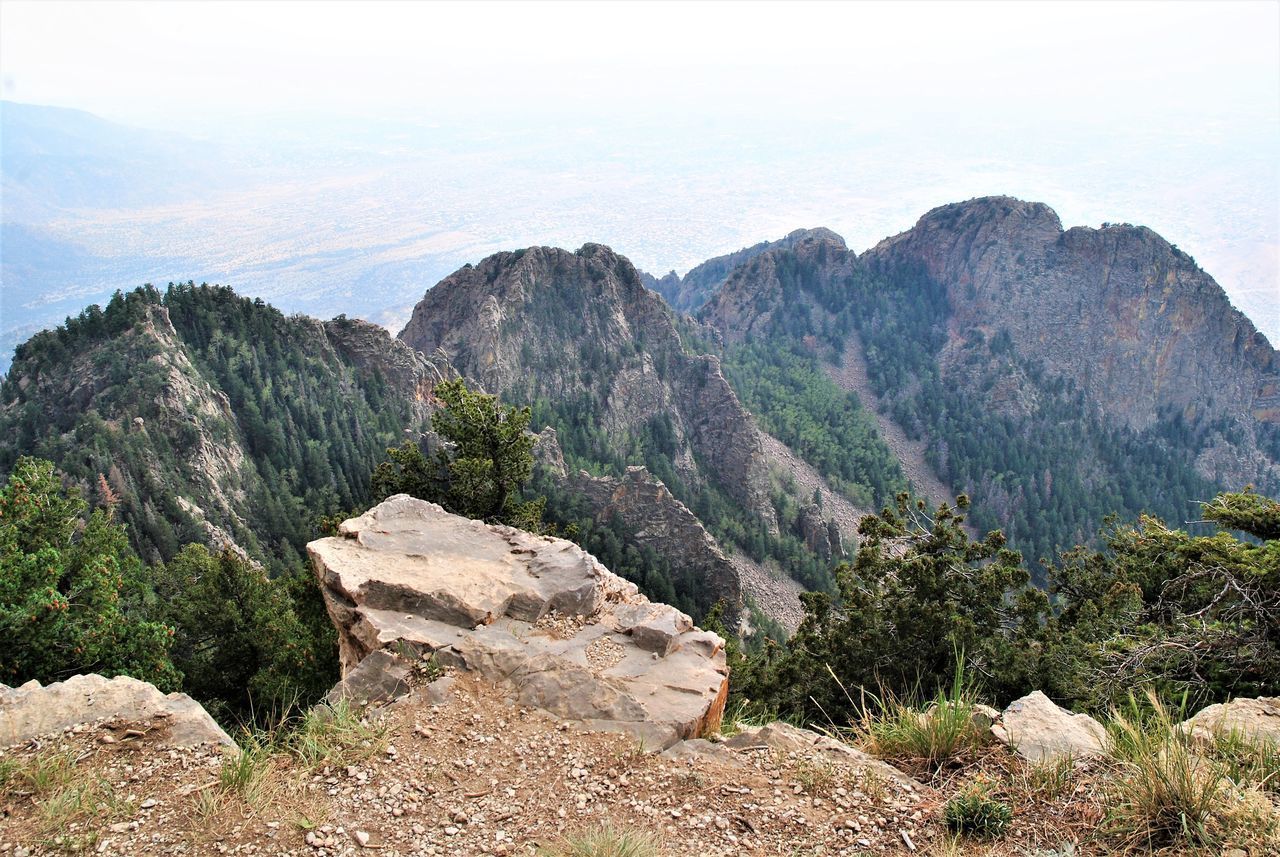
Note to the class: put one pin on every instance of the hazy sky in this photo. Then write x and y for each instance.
(859, 116)
(147, 60)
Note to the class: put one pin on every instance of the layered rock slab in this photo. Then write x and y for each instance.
(32, 710)
(536, 614)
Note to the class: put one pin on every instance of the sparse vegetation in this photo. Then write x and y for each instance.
(1170, 791)
(244, 773)
(942, 733)
(1049, 779)
(336, 734)
(605, 840)
(70, 802)
(973, 812)
(39, 775)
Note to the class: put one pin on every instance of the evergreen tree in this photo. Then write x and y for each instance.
(239, 641)
(481, 469)
(918, 595)
(1182, 613)
(72, 591)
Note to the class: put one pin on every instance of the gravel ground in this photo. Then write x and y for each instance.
(473, 775)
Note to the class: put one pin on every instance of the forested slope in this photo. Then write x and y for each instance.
(212, 417)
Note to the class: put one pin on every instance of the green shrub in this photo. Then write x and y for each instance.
(974, 813)
(71, 588)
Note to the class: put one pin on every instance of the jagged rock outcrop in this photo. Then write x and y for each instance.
(166, 720)
(215, 478)
(581, 328)
(667, 285)
(371, 348)
(200, 409)
(820, 535)
(1158, 390)
(782, 274)
(656, 519)
(690, 292)
(535, 614)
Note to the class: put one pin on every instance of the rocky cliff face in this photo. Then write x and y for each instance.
(1143, 387)
(172, 404)
(214, 418)
(580, 332)
(1127, 317)
(783, 273)
(371, 349)
(659, 521)
(1119, 308)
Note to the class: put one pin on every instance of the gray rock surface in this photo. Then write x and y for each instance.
(535, 614)
(820, 535)
(581, 327)
(1093, 304)
(1257, 719)
(656, 519)
(690, 292)
(1038, 729)
(30, 711)
(380, 677)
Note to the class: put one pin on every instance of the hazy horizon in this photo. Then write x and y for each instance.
(349, 156)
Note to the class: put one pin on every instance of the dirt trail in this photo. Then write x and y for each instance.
(472, 774)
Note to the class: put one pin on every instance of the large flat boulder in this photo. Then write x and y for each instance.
(1038, 729)
(1256, 719)
(177, 720)
(536, 614)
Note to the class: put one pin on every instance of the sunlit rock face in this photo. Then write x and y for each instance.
(536, 614)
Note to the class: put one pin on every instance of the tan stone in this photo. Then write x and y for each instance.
(1257, 719)
(520, 610)
(31, 710)
(1038, 729)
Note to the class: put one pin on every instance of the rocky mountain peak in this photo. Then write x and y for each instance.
(1118, 307)
(580, 327)
(688, 293)
(744, 304)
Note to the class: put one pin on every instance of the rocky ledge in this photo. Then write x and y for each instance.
(536, 615)
(122, 707)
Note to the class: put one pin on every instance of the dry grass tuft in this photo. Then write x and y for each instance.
(604, 841)
(337, 734)
(942, 733)
(1170, 791)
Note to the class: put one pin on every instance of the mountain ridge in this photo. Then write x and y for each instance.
(743, 416)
